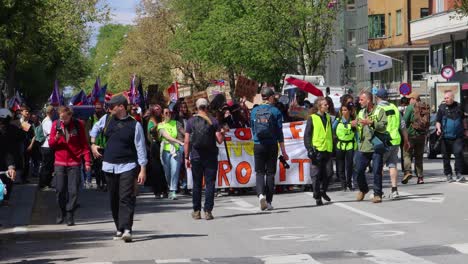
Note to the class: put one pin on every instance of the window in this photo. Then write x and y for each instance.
(351, 5)
(424, 12)
(448, 54)
(398, 22)
(437, 58)
(389, 33)
(420, 65)
(376, 26)
(439, 6)
(351, 38)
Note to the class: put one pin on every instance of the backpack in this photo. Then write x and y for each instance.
(39, 134)
(422, 117)
(452, 126)
(264, 123)
(203, 133)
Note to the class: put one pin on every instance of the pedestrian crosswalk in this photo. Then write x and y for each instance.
(417, 255)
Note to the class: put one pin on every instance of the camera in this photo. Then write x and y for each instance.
(283, 161)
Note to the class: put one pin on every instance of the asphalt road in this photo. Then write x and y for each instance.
(428, 224)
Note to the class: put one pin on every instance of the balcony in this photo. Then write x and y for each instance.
(438, 27)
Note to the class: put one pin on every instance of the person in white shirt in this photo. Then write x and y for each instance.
(47, 154)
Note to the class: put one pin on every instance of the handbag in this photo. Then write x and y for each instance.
(380, 141)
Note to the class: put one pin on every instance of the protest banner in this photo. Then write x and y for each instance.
(246, 87)
(241, 150)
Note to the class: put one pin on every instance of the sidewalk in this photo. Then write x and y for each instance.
(19, 211)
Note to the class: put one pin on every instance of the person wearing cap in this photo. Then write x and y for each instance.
(418, 141)
(171, 134)
(10, 137)
(124, 162)
(202, 160)
(47, 154)
(68, 140)
(396, 129)
(266, 123)
(370, 120)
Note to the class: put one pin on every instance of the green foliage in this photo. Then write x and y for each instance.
(110, 41)
(44, 40)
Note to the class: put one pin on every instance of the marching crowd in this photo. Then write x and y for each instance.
(121, 147)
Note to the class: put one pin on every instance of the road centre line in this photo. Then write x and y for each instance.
(291, 259)
(361, 212)
(276, 228)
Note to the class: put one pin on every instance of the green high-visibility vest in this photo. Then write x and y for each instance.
(171, 128)
(345, 135)
(322, 138)
(393, 123)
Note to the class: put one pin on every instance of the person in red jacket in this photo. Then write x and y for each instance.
(68, 140)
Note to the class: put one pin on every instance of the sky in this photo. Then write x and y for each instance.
(122, 12)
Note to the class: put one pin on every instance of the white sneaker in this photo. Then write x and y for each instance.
(263, 203)
(127, 236)
(269, 207)
(118, 236)
(395, 195)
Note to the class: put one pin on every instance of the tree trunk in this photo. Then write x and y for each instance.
(11, 77)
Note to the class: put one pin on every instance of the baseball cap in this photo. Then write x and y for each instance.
(382, 93)
(267, 92)
(201, 102)
(414, 95)
(118, 99)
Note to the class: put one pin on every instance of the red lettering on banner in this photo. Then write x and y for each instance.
(243, 133)
(282, 172)
(243, 179)
(223, 170)
(301, 167)
(295, 132)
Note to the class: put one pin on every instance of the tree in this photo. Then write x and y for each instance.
(43, 40)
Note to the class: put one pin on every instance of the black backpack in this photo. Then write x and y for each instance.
(265, 123)
(203, 136)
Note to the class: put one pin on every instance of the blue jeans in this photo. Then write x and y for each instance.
(208, 168)
(172, 168)
(362, 160)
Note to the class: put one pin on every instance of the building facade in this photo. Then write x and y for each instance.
(390, 34)
(344, 67)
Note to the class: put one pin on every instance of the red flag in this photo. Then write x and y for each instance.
(305, 86)
(173, 92)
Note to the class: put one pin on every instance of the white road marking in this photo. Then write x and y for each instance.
(297, 237)
(291, 259)
(20, 230)
(387, 256)
(369, 215)
(387, 233)
(276, 228)
(462, 248)
(242, 205)
(420, 198)
(173, 261)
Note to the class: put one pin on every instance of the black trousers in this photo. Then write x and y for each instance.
(265, 167)
(344, 167)
(205, 167)
(67, 180)
(98, 173)
(320, 174)
(454, 147)
(46, 168)
(156, 178)
(121, 188)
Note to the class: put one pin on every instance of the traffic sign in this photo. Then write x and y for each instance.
(405, 88)
(447, 72)
(375, 90)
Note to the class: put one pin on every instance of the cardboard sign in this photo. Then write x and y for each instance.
(246, 87)
(191, 100)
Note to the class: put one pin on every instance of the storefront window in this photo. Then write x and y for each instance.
(420, 65)
(448, 54)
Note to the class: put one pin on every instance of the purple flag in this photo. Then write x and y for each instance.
(79, 99)
(102, 94)
(132, 93)
(95, 92)
(54, 98)
(141, 98)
